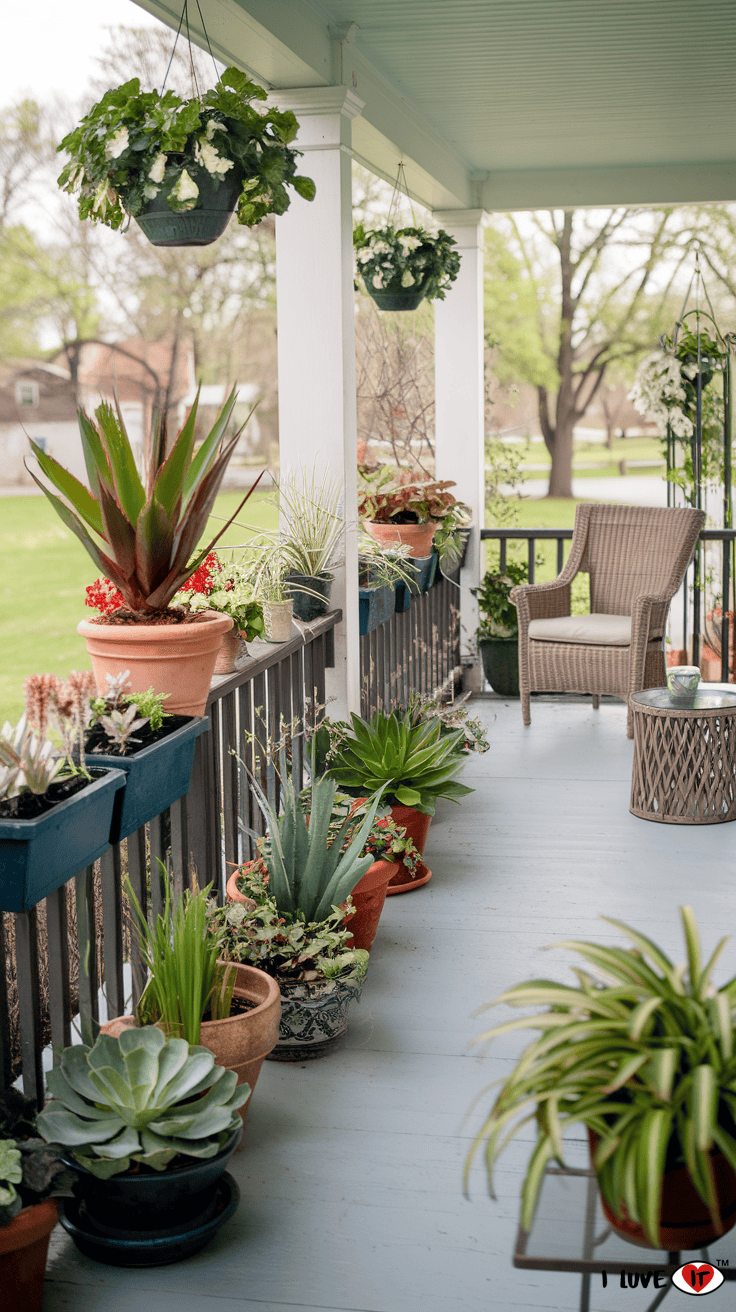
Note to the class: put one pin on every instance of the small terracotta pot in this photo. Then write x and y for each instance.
(233, 893)
(232, 648)
(368, 897)
(685, 1221)
(277, 618)
(24, 1247)
(417, 537)
(178, 659)
(417, 828)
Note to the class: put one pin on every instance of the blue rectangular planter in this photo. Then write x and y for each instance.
(376, 606)
(154, 778)
(38, 856)
(425, 571)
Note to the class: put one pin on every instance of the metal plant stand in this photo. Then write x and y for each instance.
(684, 770)
(571, 1233)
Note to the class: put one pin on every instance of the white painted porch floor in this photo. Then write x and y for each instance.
(351, 1166)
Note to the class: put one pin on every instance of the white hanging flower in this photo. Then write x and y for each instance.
(380, 248)
(117, 143)
(185, 190)
(212, 127)
(156, 173)
(680, 424)
(409, 243)
(364, 256)
(407, 278)
(211, 159)
(378, 281)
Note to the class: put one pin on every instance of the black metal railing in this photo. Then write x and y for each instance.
(705, 585)
(415, 650)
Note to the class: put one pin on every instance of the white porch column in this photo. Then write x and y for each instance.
(459, 400)
(316, 341)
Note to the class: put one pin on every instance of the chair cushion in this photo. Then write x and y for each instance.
(595, 630)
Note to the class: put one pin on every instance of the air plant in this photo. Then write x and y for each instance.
(141, 533)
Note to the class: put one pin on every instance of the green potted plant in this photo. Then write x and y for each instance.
(401, 267)
(291, 923)
(381, 574)
(498, 631)
(228, 589)
(398, 508)
(55, 817)
(143, 535)
(641, 1053)
(413, 763)
(311, 539)
(275, 596)
(31, 1179)
(180, 167)
(149, 1124)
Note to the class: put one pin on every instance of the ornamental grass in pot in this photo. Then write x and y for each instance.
(143, 534)
(148, 1123)
(311, 539)
(640, 1053)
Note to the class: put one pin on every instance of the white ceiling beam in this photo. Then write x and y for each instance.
(657, 184)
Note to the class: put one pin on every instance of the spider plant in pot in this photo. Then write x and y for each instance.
(641, 1053)
(142, 534)
(414, 764)
(149, 1124)
(275, 595)
(311, 539)
(55, 815)
(293, 922)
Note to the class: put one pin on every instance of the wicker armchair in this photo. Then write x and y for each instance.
(636, 557)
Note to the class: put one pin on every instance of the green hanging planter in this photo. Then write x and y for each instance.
(408, 298)
(199, 226)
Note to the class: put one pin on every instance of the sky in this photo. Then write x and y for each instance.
(49, 47)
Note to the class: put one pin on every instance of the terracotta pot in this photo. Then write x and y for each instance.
(24, 1245)
(178, 659)
(241, 1042)
(417, 537)
(277, 618)
(417, 828)
(368, 897)
(685, 1221)
(232, 648)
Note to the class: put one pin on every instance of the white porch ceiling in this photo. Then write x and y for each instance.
(512, 104)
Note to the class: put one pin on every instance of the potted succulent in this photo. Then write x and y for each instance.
(311, 540)
(180, 167)
(55, 817)
(400, 509)
(227, 589)
(641, 1053)
(291, 924)
(149, 1124)
(31, 1180)
(142, 534)
(498, 631)
(401, 267)
(413, 763)
(231, 1010)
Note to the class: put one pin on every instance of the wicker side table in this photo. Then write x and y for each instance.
(684, 770)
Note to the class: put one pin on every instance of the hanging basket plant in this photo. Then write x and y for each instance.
(401, 267)
(180, 167)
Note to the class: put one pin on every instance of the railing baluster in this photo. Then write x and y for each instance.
(29, 1000)
(260, 732)
(229, 781)
(6, 1052)
(245, 793)
(180, 863)
(86, 941)
(319, 675)
(112, 928)
(560, 554)
(158, 840)
(136, 845)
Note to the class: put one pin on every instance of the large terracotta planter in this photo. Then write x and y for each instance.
(368, 897)
(178, 659)
(685, 1221)
(231, 650)
(417, 537)
(24, 1246)
(417, 828)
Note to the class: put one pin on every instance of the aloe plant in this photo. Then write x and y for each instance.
(141, 534)
(140, 1098)
(644, 1057)
(414, 763)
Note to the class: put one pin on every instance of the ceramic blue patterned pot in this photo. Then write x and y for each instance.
(313, 1017)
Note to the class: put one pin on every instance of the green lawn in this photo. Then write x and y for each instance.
(42, 593)
(544, 512)
(605, 462)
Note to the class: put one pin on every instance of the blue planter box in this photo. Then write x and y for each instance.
(423, 568)
(38, 856)
(154, 777)
(376, 606)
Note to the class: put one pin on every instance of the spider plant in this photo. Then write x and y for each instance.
(313, 525)
(642, 1054)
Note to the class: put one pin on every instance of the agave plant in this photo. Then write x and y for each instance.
(643, 1057)
(140, 535)
(140, 1098)
(414, 763)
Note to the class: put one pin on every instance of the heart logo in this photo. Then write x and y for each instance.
(697, 1278)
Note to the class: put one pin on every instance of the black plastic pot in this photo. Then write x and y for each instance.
(376, 607)
(38, 856)
(500, 658)
(150, 1219)
(155, 777)
(201, 225)
(301, 587)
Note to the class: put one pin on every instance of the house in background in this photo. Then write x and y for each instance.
(37, 401)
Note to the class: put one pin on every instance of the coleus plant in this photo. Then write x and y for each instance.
(142, 532)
